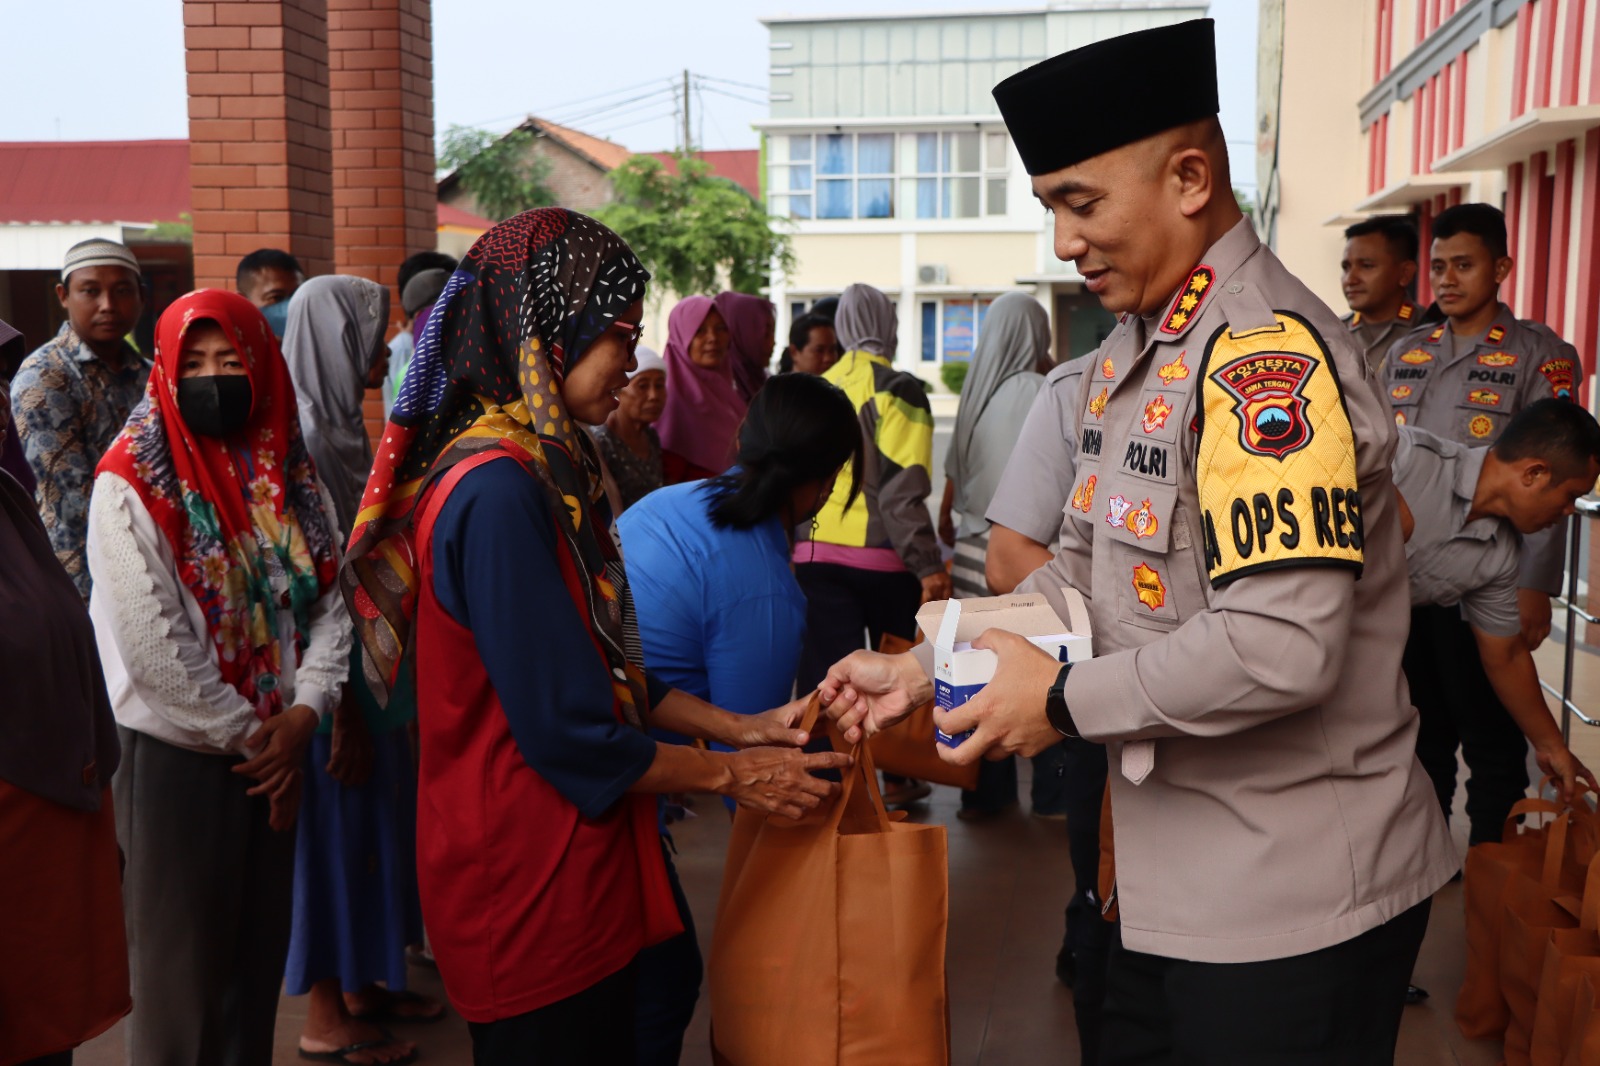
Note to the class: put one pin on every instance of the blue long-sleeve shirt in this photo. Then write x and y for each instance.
(497, 573)
(720, 613)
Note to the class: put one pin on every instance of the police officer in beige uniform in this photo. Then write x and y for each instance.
(1240, 546)
(1379, 265)
(1468, 508)
(1463, 380)
(1025, 518)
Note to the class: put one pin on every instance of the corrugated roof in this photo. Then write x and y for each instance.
(93, 181)
(454, 216)
(741, 166)
(608, 155)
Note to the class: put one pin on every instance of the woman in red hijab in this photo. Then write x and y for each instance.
(224, 640)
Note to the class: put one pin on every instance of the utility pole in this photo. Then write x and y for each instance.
(687, 148)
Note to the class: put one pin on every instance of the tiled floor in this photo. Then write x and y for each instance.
(1009, 880)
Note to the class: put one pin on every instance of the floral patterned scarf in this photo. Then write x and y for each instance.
(244, 516)
(530, 297)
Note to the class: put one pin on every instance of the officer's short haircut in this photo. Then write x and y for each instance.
(1481, 220)
(1559, 432)
(417, 262)
(264, 259)
(800, 331)
(1395, 229)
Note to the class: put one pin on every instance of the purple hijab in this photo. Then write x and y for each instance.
(748, 318)
(703, 412)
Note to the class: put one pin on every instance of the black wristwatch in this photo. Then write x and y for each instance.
(1055, 706)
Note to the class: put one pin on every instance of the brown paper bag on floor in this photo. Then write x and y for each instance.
(1583, 1039)
(908, 748)
(1571, 955)
(1481, 1010)
(1534, 910)
(829, 947)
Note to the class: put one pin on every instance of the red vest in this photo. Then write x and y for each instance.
(526, 901)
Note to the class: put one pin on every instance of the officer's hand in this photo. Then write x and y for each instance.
(1534, 607)
(1009, 713)
(936, 586)
(1561, 764)
(868, 692)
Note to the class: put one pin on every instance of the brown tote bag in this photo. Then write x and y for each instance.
(1481, 1009)
(1571, 955)
(829, 948)
(908, 747)
(1583, 1044)
(1534, 910)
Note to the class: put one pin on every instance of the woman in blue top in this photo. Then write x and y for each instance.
(720, 613)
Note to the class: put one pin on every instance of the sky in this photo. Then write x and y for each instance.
(609, 67)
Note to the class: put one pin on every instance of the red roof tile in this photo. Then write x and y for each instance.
(93, 181)
(741, 166)
(455, 216)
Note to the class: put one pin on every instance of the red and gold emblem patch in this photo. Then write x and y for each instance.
(1480, 426)
(1497, 359)
(1107, 369)
(1173, 371)
(1268, 399)
(1142, 523)
(1484, 397)
(1416, 357)
(1558, 372)
(1097, 406)
(1494, 336)
(1400, 392)
(1156, 413)
(1083, 498)
(1399, 418)
(1187, 305)
(1148, 586)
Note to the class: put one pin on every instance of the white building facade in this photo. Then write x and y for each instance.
(886, 156)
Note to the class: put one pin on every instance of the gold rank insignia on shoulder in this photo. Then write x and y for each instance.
(1416, 357)
(1173, 371)
(1190, 297)
(1276, 460)
(1495, 335)
(1438, 333)
(1406, 311)
(1497, 359)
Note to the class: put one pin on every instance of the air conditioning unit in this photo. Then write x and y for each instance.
(933, 274)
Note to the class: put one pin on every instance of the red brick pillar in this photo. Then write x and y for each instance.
(259, 138)
(385, 202)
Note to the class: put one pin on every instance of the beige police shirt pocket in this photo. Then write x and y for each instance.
(1482, 413)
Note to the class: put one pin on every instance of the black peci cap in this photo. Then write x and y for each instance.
(1104, 95)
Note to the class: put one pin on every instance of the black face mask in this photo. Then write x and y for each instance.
(217, 405)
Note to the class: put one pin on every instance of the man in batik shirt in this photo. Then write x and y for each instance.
(71, 397)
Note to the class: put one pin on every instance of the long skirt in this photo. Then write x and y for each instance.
(355, 875)
(66, 975)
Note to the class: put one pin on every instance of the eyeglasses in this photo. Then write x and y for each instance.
(631, 333)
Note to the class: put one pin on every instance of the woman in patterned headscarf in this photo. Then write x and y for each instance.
(224, 641)
(484, 567)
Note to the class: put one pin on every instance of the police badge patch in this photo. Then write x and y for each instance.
(1276, 460)
(1558, 372)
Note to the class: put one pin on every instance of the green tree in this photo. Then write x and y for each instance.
(690, 229)
(502, 173)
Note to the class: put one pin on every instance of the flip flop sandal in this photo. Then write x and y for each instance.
(342, 1054)
(387, 1013)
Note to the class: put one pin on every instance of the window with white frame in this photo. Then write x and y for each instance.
(950, 327)
(942, 174)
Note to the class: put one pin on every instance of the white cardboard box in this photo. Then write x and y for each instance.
(960, 671)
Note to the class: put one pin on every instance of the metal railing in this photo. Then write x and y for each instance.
(1587, 508)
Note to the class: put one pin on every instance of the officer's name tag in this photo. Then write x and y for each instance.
(1277, 457)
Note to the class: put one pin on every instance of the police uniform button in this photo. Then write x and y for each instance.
(1235, 288)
